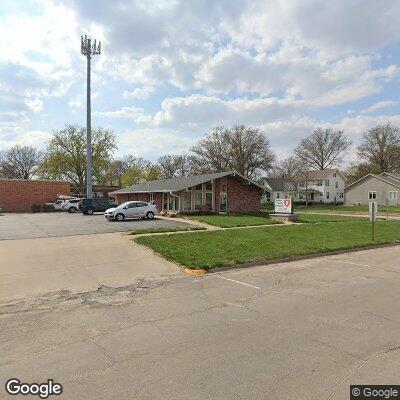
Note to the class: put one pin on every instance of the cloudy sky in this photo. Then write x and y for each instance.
(170, 70)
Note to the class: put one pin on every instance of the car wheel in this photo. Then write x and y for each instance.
(119, 217)
(72, 210)
(90, 211)
(150, 215)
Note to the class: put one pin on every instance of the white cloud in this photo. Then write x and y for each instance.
(124, 112)
(36, 105)
(139, 93)
(379, 106)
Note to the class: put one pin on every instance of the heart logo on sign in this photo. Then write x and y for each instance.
(287, 202)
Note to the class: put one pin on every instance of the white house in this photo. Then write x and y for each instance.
(321, 187)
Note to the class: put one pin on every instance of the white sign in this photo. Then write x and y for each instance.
(283, 206)
(373, 210)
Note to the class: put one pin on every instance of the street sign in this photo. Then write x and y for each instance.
(284, 206)
(373, 211)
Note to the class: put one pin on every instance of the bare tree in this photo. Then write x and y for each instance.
(248, 151)
(240, 148)
(286, 168)
(118, 168)
(380, 148)
(172, 166)
(20, 162)
(210, 154)
(324, 148)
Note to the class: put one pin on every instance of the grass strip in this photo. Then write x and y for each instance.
(235, 246)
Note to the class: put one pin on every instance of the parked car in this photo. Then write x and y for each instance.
(97, 204)
(131, 209)
(71, 205)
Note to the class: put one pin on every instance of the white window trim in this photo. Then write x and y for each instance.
(369, 195)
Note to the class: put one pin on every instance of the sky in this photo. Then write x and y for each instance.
(171, 70)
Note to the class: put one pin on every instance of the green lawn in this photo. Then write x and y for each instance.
(342, 208)
(164, 230)
(221, 248)
(232, 221)
(315, 218)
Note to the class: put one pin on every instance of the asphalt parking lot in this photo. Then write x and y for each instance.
(303, 330)
(29, 226)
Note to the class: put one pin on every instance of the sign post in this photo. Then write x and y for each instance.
(373, 211)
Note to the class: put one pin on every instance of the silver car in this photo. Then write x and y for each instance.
(131, 209)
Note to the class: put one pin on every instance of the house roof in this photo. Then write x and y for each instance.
(379, 177)
(177, 184)
(278, 184)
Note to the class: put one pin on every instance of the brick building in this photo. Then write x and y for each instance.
(222, 192)
(18, 195)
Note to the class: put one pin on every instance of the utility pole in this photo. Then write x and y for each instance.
(89, 49)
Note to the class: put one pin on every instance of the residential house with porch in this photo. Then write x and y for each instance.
(221, 192)
(321, 187)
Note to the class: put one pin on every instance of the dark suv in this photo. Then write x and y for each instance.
(97, 204)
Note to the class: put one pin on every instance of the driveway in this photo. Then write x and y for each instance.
(302, 330)
(28, 226)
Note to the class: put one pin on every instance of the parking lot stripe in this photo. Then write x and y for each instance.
(348, 262)
(233, 280)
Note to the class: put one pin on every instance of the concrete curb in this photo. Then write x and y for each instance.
(297, 258)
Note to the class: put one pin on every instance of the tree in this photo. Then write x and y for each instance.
(118, 168)
(20, 162)
(324, 148)
(240, 148)
(140, 171)
(66, 154)
(172, 166)
(357, 170)
(210, 154)
(286, 168)
(380, 148)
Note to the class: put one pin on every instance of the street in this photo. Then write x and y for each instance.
(298, 330)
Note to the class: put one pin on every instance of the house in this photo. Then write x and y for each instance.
(278, 188)
(383, 188)
(221, 192)
(323, 186)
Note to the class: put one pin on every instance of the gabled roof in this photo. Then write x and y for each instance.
(379, 177)
(177, 184)
(391, 177)
(278, 184)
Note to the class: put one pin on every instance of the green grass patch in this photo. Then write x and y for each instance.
(234, 246)
(233, 221)
(343, 208)
(315, 218)
(164, 230)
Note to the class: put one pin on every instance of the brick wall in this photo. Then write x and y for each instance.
(121, 198)
(19, 195)
(242, 197)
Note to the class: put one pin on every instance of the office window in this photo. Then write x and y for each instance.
(209, 200)
(187, 201)
(371, 195)
(197, 201)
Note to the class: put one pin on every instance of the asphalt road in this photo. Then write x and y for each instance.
(29, 226)
(300, 330)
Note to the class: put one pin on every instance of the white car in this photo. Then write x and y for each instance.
(131, 209)
(71, 205)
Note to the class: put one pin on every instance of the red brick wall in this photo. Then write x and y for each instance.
(19, 195)
(242, 197)
(121, 198)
